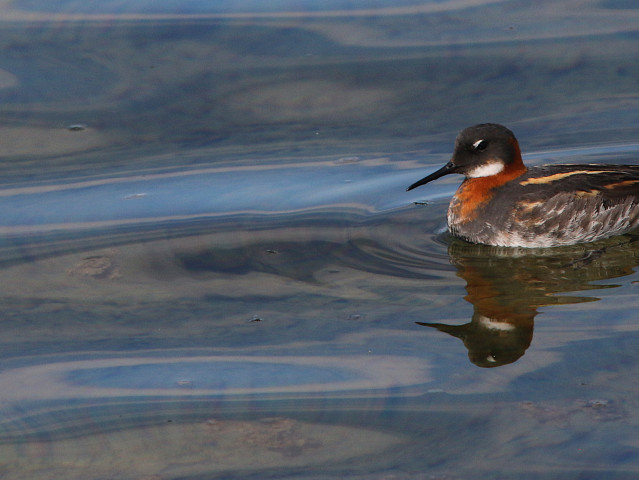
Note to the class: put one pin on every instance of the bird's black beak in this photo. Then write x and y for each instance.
(450, 167)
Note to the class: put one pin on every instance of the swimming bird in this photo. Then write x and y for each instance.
(501, 202)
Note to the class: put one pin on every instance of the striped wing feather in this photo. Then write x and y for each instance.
(609, 181)
(563, 203)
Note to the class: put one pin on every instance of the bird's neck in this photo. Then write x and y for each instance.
(473, 193)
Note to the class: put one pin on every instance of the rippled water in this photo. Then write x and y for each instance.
(210, 267)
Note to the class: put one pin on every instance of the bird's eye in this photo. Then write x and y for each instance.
(480, 145)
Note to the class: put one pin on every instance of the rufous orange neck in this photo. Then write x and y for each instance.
(474, 192)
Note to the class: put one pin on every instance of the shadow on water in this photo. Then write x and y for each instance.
(506, 286)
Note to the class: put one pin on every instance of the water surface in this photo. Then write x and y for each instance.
(211, 268)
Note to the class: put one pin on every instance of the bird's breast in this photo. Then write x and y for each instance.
(467, 203)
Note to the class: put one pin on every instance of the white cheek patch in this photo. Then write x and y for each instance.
(486, 170)
(492, 324)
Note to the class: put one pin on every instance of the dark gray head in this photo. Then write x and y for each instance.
(482, 150)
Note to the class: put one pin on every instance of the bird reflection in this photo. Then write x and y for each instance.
(506, 286)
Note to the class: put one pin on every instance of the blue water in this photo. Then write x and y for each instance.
(212, 375)
(203, 7)
(218, 272)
